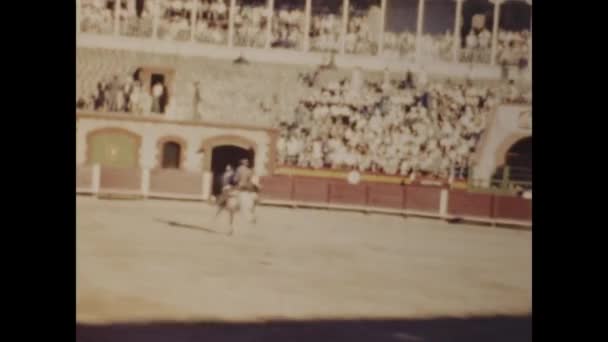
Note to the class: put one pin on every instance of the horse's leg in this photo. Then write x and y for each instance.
(231, 213)
(219, 210)
(253, 217)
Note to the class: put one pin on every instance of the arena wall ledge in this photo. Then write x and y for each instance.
(285, 56)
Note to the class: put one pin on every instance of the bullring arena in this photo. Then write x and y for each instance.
(431, 242)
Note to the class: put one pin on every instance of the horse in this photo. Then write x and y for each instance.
(243, 200)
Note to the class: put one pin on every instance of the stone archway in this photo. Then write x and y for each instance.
(183, 144)
(517, 155)
(505, 145)
(209, 144)
(113, 146)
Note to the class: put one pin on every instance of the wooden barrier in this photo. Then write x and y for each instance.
(120, 180)
(512, 208)
(425, 199)
(315, 191)
(341, 192)
(310, 189)
(176, 182)
(277, 188)
(385, 195)
(465, 204)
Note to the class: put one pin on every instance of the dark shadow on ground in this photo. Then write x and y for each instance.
(473, 329)
(190, 226)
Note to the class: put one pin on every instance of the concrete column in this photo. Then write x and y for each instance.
(307, 23)
(382, 27)
(155, 18)
(419, 25)
(345, 8)
(496, 20)
(145, 182)
(231, 14)
(443, 202)
(193, 10)
(457, 31)
(96, 181)
(117, 17)
(270, 10)
(207, 185)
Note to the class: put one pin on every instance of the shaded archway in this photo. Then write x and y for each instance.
(178, 151)
(171, 155)
(224, 155)
(519, 160)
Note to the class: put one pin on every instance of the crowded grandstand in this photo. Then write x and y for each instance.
(405, 123)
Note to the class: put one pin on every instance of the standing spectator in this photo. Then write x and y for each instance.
(135, 99)
(157, 93)
(127, 90)
(114, 93)
(100, 97)
(471, 43)
(196, 101)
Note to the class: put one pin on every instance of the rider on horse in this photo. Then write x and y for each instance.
(239, 191)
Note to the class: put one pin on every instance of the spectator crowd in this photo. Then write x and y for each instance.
(400, 127)
(126, 94)
(288, 29)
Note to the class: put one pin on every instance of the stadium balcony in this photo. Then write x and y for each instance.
(173, 27)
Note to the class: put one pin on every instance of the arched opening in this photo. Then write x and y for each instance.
(223, 155)
(113, 147)
(519, 160)
(171, 155)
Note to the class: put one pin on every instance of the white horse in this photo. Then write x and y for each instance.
(240, 200)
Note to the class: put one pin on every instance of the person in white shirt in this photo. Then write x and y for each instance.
(281, 149)
(293, 149)
(471, 43)
(157, 93)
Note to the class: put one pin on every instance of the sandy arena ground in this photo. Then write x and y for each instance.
(134, 266)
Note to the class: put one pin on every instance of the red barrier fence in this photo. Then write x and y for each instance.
(299, 190)
(120, 179)
(467, 204)
(423, 199)
(417, 199)
(176, 182)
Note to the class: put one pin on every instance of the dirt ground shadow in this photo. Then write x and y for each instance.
(473, 329)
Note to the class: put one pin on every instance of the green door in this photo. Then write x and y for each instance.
(116, 149)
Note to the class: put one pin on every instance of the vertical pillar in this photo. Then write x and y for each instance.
(155, 18)
(457, 31)
(307, 19)
(270, 11)
(443, 203)
(96, 181)
(382, 27)
(145, 182)
(116, 17)
(193, 12)
(419, 22)
(231, 13)
(345, 8)
(207, 184)
(496, 20)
